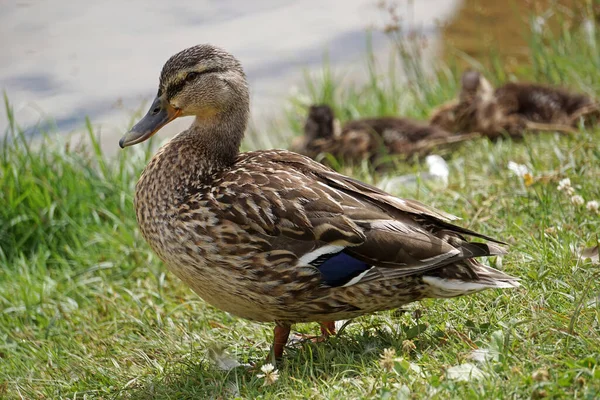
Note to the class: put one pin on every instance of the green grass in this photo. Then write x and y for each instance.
(87, 311)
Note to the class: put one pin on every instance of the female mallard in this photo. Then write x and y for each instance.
(274, 236)
(369, 138)
(512, 108)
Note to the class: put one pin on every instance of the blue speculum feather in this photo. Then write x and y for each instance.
(339, 268)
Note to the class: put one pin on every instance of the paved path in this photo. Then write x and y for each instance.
(62, 60)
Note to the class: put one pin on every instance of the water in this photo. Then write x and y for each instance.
(483, 28)
(62, 60)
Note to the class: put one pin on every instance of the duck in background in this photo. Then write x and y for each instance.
(369, 139)
(513, 108)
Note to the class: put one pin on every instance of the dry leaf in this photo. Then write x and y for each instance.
(591, 253)
(437, 176)
(221, 359)
(438, 168)
(465, 372)
(483, 355)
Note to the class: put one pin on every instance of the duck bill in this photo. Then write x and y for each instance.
(159, 114)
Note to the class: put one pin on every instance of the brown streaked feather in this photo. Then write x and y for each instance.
(331, 208)
(361, 193)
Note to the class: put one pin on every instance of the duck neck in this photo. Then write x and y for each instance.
(213, 143)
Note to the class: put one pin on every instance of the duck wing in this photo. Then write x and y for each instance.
(310, 216)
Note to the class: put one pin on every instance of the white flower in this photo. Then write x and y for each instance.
(564, 184)
(518, 169)
(540, 375)
(267, 368)
(593, 206)
(577, 200)
(589, 28)
(408, 346)
(269, 373)
(537, 25)
(388, 359)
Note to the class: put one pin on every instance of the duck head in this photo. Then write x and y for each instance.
(319, 123)
(203, 81)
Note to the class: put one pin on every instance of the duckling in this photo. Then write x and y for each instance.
(273, 236)
(512, 108)
(368, 138)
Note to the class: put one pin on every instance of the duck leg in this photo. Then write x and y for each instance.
(281, 333)
(327, 329)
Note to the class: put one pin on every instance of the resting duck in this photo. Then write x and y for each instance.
(274, 236)
(368, 138)
(512, 108)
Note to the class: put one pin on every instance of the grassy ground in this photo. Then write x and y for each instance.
(87, 311)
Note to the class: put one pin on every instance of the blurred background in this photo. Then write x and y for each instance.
(64, 60)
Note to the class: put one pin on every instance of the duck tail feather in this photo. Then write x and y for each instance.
(465, 277)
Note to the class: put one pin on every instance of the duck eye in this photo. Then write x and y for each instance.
(191, 76)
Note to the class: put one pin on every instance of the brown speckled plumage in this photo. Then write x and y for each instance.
(251, 233)
(513, 108)
(370, 139)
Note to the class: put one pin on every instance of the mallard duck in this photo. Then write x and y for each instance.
(512, 108)
(274, 236)
(368, 138)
